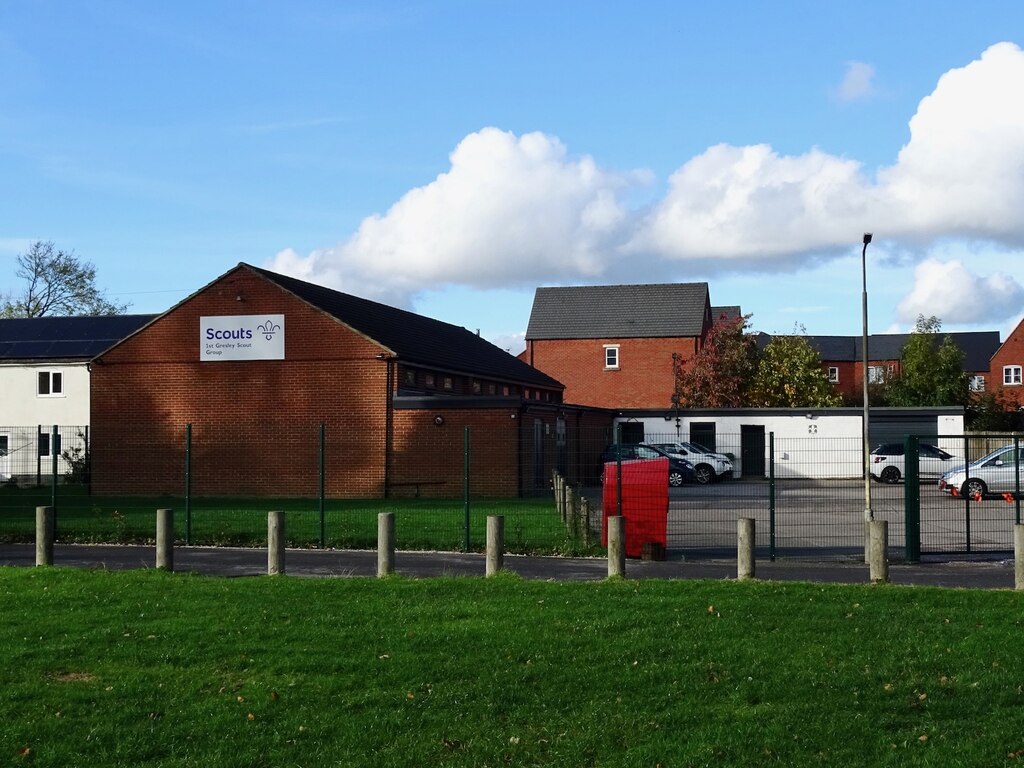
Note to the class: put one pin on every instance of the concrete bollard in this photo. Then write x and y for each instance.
(165, 539)
(275, 542)
(1018, 556)
(617, 546)
(44, 535)
(745, 548)
(878, 552)
(495, 544)
(385, 544)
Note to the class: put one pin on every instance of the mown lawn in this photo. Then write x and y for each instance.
(147, 668)
(531, 525)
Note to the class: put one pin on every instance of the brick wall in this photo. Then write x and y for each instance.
(256, 422)
(1010, 353)
(643, 380)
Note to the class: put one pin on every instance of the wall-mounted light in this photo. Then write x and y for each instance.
(512, 416)
(239, 297)
(439, 420)
(810, 415)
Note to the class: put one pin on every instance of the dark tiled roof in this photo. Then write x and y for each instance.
(977, 346)
(619, 311)
(414, 338)
(65, 338)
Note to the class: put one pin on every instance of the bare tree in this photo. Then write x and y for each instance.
(57, 283)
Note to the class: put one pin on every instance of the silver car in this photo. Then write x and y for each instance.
(995, 473)
(708, 465)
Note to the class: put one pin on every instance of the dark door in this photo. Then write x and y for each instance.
(703, 433)
(752, 449)
(632, 432)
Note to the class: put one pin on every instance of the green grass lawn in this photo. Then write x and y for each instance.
(147, 668)
(531, 525)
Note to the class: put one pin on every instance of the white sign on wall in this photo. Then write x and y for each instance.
(241, 337)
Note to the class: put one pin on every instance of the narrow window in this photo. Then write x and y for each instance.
(428, 380)
(833, 375)
(611, 356)
(448, 382)
(977, 383)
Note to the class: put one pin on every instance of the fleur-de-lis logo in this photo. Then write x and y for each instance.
(268, 329)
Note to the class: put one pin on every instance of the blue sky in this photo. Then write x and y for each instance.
(452, 156)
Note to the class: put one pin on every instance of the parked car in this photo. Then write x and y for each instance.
(680, 471)
(708, 465)
(887, 462)
(995, 473)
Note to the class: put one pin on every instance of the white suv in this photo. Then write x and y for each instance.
(708, 465)
(887, 462)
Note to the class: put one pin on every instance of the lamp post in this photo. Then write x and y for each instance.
(869, 514)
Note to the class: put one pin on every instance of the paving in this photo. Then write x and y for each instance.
(235, 562)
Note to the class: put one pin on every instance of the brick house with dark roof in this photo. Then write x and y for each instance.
(1006, 378)
(842, 357)
(612, 345)
(393, 390)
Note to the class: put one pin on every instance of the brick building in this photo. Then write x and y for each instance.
(612, 345)
(1007, 362)
(842, 358)
(256, 362)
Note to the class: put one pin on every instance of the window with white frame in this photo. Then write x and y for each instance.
(611, 356)
(833, 375)
(977, 383)
(1011, 375)
(876, 374)
(50, 384)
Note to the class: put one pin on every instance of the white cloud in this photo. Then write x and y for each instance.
(520, 210)
(948, 290)
(857, 84)
(509, 210)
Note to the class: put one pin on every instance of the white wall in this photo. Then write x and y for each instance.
(823, 446)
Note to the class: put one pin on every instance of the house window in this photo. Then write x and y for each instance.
(50, 384)
(447, 382)
(505, 390)
(491, 389)
(410, 377)
(977, 383)
(476, 387)
(876, 374)
(833, 375)
(1011, 375)
(611, 356)
(428, 380)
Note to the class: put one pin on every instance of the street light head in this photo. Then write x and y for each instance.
(867, 238)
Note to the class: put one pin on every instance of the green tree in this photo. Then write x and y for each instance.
(718, 376)
(790, 375)
(57, 283)
(931, 371)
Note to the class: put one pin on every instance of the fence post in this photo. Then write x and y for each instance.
(745, 548)
(39, 456)
(1018, 556)
(188, 485)
(912, 498)
(88, 462)
(385, 544)
(617, 546)
(323, 523)
(495, 543)
(465, 483)
(44, 535)
(570, 506)
(165, 539)
(1016, 478)
(771, 496)
(878, 552)
(275, 542)
(54, 435)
